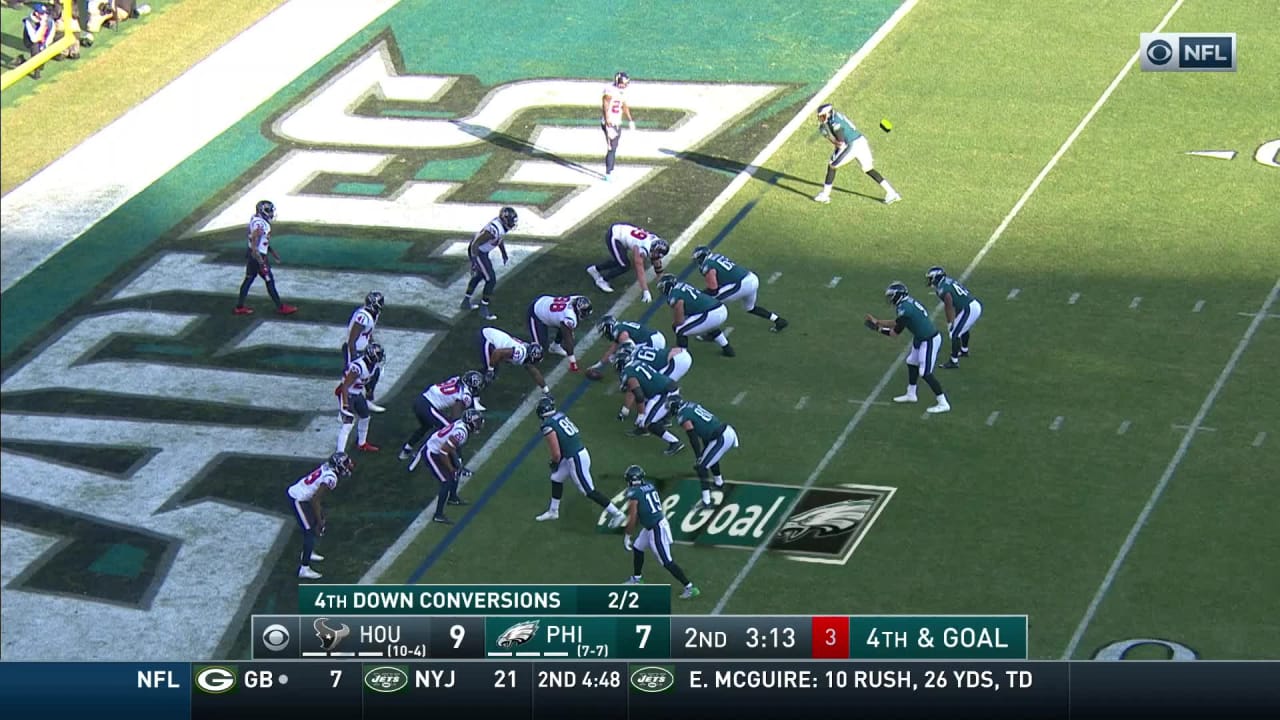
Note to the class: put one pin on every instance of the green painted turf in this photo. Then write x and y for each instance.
(1011, 517)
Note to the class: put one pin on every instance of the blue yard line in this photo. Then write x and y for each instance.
(439, 550)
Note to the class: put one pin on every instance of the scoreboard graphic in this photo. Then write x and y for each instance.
(615, 652)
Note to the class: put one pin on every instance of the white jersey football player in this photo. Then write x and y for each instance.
(304, 499)
(441, 455)
(257, 259)
(489, 238)
(613, 105)
(440, 404)
(630, 248)
(497, 347)
(564, 313)
(359, 335)
(353, 403)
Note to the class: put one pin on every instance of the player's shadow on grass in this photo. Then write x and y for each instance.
(773, 177)
(522, 146)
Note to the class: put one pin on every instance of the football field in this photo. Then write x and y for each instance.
(1107, 467)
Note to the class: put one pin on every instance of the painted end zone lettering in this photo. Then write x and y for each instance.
(826, 525)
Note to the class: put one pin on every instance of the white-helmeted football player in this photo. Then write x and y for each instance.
(441, 453)
(613, 105)
(441, 403)
(564, 313)
(359, 335)
(630, 248)
(498, 346)
(353, 403)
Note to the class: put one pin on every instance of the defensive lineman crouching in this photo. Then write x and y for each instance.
(569, 458)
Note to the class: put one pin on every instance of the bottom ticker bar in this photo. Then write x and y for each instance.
(354, 690)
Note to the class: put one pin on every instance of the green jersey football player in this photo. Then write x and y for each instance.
(849, 145)
(926, 341)
(694, 312)
(644, 510)
(727, 280)
(619, 332)
(963, 311)
(710, 437)
(569, 459)
(642, 385)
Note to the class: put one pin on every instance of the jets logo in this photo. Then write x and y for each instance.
(653, 679)
(386, 679)
(519, 634)
(825, 520)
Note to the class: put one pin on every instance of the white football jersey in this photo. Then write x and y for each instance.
(497, 231)
(556, 311)
(363, 318)
(443, 395)
(617, 97)
(456, 431)
(503, 341)
(363, 372)
(305, 488)
(264, 240)
(632, 237)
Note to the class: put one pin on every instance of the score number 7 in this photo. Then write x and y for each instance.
(643, 631)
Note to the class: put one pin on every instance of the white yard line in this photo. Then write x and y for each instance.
(1013, 293)
(737, 399)
(699, 223)
(834, 281)
(991, 419)
(177, 121)
(1198, 306)
(1158, 492)
(1133, 304)
(893, 369)
(1057, 423)
(1124, 427)
(774, 278)
(1074, 297)
(1261, 438)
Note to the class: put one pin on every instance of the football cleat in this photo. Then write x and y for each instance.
(455, 500)
(598, 279)
(690, 593)
(823, 197)
(442, 519)
(637, 432)
(700, 505)
(634, 580)
(286, 309)
(375, 407)
(556, 349)
(673, 448)
(316, 557)
(780, 324)
(941, 407)
(466, 304)
(366, 447)
(243, 310)
(896, 292)
(634, 475)
(548, 515)
(950, 365)
(475, 403)
(616, 521)
(406, 452)
(486, 313)
(728, 351)
(892, 198)
(905, 399)
(308, 574)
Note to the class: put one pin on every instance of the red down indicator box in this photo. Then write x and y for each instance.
(830, 638)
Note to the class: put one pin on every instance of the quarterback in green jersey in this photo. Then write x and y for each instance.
(849, 145)
(694, 312)
(727, 280)
(710, 437)
(963, 311)
(645, 386)
(926, 341)
(569, 459)
(644, 510)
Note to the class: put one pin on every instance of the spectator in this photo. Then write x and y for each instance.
(37, 32)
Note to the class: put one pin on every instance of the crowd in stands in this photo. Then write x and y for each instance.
(46, 24)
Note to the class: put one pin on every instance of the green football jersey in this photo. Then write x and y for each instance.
(695, 301)
(838, 126)
(705, 424)
(635, 331)
(656, 359)
(727, 271)
(648, 505)
(651, 381)
(566, 432)
(912, 316)
(960, 295)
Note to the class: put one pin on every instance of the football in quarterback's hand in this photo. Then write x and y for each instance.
(594, 373)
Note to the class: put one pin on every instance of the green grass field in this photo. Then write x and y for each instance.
(1106, 465)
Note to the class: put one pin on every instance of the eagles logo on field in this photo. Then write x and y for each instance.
(519, 634)
(826, 520)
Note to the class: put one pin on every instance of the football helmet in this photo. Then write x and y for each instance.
(533, 354)
(373, 302)
(266, 210)
(546, 407)
(825, 110)
(607, 325)
(896, 293)
(701, 253)
(667, 283)
(582, 306)
(342, 464)
(473, 380)
(622, 356)
(658, 249)
(634, 475)
(675, 404)
(375, 354)
(935, 275)
(473, 419)
(507, 216)
(621, 80)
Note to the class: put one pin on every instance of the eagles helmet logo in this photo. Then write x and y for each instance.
(330, 638)
(519, 634)
(825, 520)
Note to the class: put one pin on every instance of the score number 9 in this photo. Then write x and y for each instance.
(456, 633)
